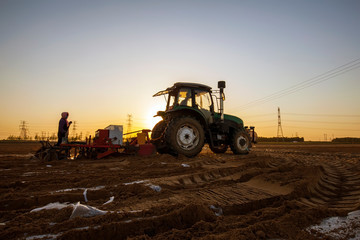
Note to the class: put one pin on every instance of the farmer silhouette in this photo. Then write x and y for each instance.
(63, 131)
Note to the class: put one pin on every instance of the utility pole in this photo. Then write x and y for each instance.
(74, 130)
(129, 122)
(23, 130)
(279, 130)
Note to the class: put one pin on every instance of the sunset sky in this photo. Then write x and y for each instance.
(102, 60)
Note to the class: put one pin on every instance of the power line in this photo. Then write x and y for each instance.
(267, 127)
(314, 81)
(307, 83)
(321, 115)
(264, 121)
(329, 129)
(259, 115)
(324, 122)
(296, 89)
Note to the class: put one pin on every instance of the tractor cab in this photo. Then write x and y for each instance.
(189, 97)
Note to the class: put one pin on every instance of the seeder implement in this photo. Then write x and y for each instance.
(106, 142)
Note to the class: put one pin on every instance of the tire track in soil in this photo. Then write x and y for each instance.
(210, 184)
(338, 184)
(215, 184)
(338, 187)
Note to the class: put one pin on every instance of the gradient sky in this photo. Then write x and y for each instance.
(102, 60)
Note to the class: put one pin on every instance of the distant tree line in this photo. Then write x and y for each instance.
(285, 139)
(12, 137)
(346, 140)
(43, 137)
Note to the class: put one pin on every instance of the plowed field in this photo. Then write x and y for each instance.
(275, 192)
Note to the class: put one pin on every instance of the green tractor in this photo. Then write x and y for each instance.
(190, 121)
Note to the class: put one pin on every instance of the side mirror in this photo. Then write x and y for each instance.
(221, 84)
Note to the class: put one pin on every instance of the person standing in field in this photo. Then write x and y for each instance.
(63, 128)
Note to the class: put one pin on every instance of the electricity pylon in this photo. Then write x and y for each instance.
(279, 130)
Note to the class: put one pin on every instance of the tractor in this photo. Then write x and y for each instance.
(190, 120)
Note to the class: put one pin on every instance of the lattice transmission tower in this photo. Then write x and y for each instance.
(280, 133)
(74, 134)
(23, 130)
(129, 122)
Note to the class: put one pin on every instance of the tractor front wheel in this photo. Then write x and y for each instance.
(185, 135)
(240, 143)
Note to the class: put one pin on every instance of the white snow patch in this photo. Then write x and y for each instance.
(68, 190)
(96, 188)
(81, 210)
(136, 182)
(339, 227)
(156, 188)
(135, 211)
(47, 236)
(86, 228)
(152, 186)
(82, 228)
(78, 189)
(55, 205)
(111, 199)
(84, 193)
(217, 210)
(185, 165)
(92, 189)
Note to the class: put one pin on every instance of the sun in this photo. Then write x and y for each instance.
(151, 121)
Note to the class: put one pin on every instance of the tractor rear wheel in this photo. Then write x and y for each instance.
(186, 136)
(219, 149)
(157, 139)
(240, 143)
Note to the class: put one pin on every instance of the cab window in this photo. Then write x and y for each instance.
(202, 100)
(171, 102)
(184, 97)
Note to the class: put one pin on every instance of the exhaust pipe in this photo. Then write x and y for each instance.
(221, 86)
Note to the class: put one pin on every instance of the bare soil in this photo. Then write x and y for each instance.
(275, 192)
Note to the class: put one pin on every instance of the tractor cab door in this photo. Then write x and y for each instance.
(203, 102)
(181, 97)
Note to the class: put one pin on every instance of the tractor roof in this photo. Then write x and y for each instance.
(181, 85)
